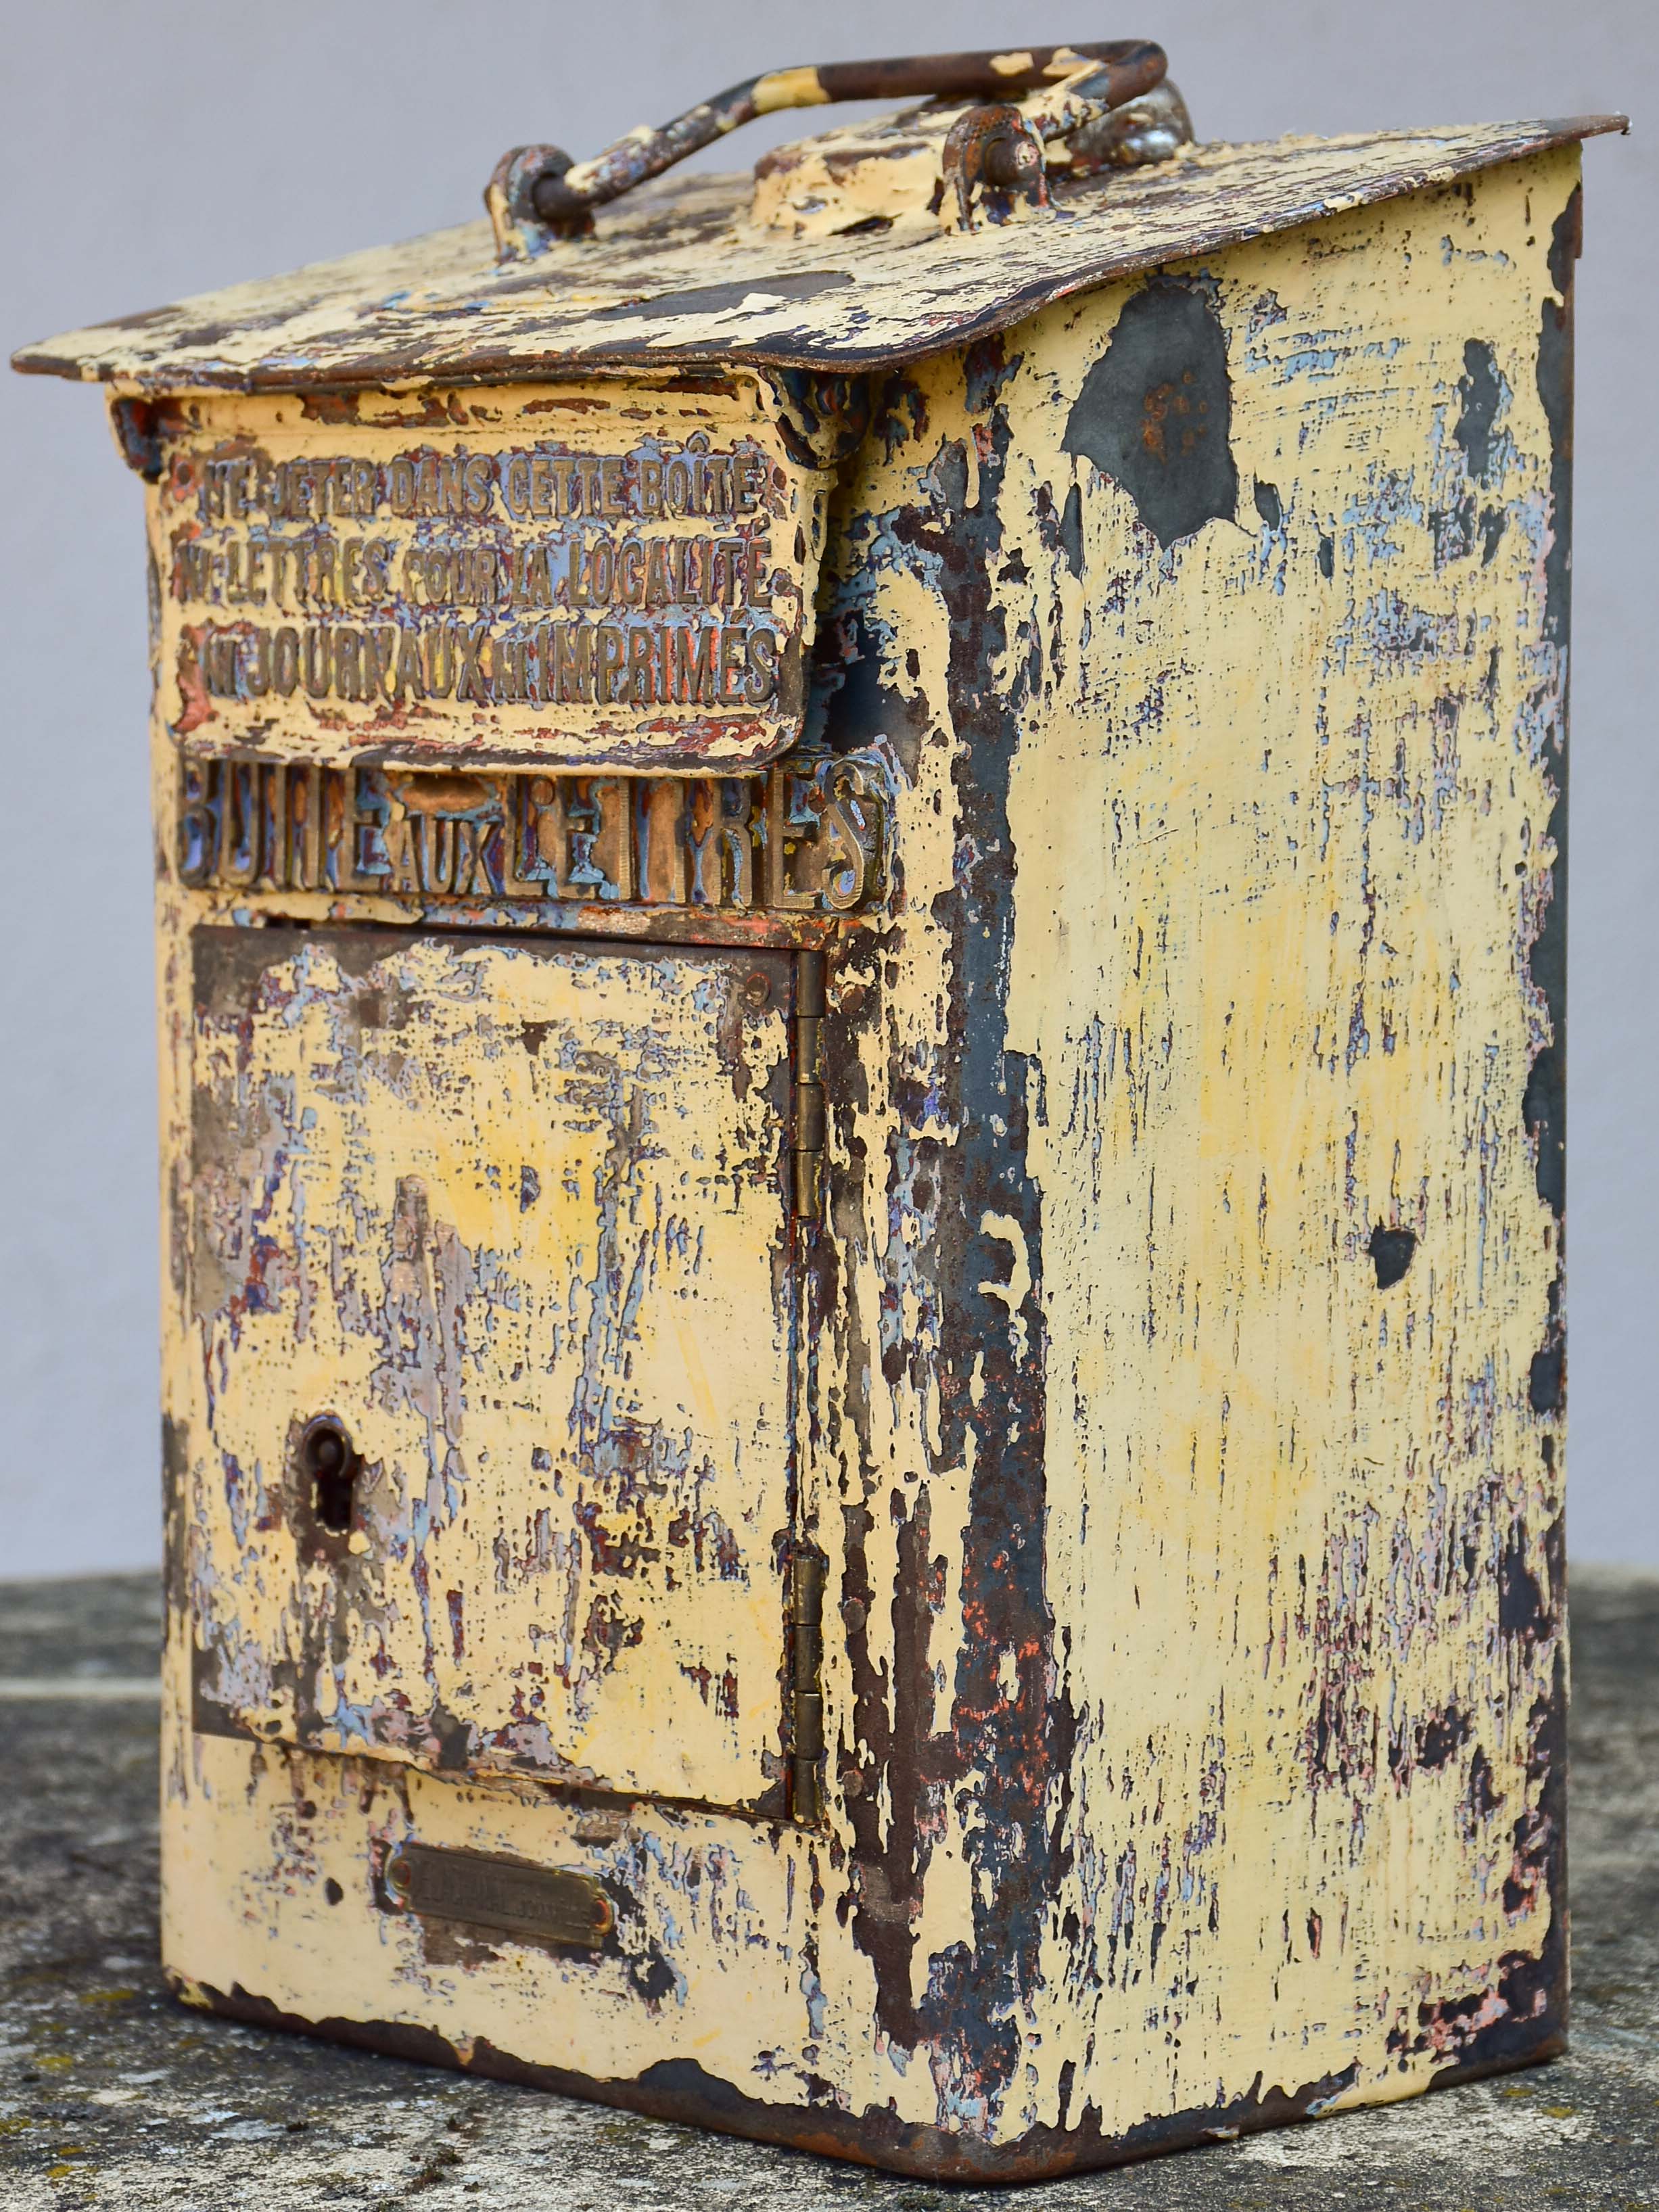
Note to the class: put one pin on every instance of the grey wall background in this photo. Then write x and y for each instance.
(154, 150)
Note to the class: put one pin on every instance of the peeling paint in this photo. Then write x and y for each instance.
(569, 1408)
(1163, 1371)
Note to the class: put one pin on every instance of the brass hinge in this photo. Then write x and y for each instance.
(806, 1575)
(807, 1158)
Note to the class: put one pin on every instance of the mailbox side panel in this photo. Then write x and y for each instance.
(1302, 1172)
(1205, 1524)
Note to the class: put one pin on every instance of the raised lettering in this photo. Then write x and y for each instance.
(624, 579)
(788, 842)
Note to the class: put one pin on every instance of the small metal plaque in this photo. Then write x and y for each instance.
(551, 1904)
(589, 575)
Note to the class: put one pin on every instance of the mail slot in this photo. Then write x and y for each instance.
(861, 947)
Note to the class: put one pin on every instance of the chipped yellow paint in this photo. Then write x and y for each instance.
(1281, 841)
(790, 88)
(889, 172)
(1293, 1008)
(885, 172)
(500, 1207)
(680, 270)
(1275, 836)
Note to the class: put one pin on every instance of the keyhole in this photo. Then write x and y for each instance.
(327, 1457)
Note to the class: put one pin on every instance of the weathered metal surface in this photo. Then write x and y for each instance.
(541, 187)
(977, 1448)
(1244, 589)
(1177, 1411)
(582, 575)
(906, 176)
(804, 840)
(679, 274)
(515, 1214)
(504, 1897)
(1153, 128)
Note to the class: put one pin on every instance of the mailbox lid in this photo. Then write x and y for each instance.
(512, 1212)
(679, 273)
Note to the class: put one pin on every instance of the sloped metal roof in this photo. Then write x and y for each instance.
(677, 274)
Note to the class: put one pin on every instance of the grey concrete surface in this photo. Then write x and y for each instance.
(111, 2094)
(148, 152)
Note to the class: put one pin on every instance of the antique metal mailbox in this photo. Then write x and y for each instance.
(861, 1048)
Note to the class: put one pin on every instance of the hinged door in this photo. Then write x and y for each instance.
(490, 1463)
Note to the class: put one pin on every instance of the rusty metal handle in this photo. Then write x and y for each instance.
(545, 185)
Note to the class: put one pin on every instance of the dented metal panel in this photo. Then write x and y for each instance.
(1123, 1244)
(514, 1215)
